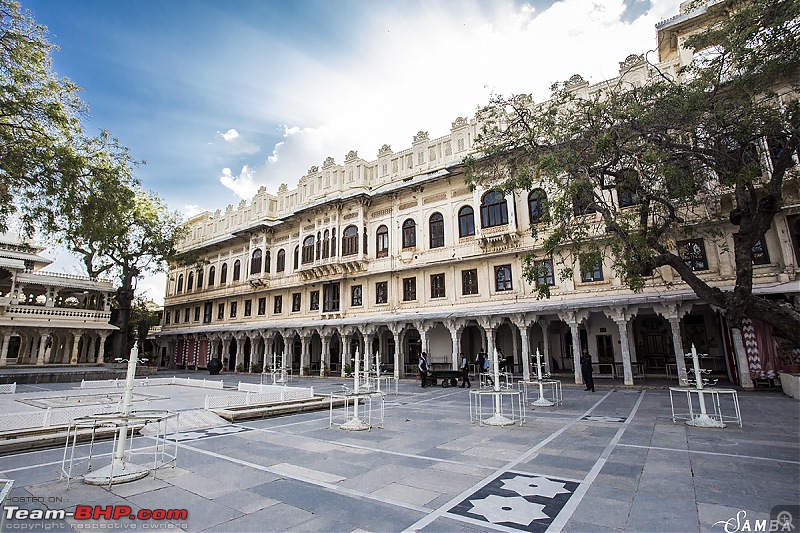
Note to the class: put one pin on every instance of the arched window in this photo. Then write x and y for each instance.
(308, 250)
(494, 210)
(437, 230)
(466, 221)
(180, 284)
(280, 262)
(211, 273)
(409, 234)
(255, 263)
(190, 282)
(382, 242)
(223, 273)
(266, 263)
(326, 244)
(365, 238)
(537, 205)
(296, 256)
(319, 243)
(199, 279)
(237, 267)
(350, 241)
(333, 242)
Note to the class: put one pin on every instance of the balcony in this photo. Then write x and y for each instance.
(498, 238)
(52, 314)
(332, 266)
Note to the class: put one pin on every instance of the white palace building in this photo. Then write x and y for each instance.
(49, 318)
(396, 255)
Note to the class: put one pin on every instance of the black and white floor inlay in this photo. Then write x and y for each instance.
(596, 418)
(196, 434)
(519, 501)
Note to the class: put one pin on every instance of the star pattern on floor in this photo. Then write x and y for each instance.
(526, 502)
(596, 418)
(534, 486)
(206, 433)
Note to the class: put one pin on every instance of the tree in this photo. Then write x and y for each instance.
(143, 317)
(688, 156)
(120, 231)
(42, 144)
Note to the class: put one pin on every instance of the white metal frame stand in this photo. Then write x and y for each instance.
(501, 415)
(164, 453)
(352, 400)
(703, 419)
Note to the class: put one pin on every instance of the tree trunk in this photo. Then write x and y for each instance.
(119, 347)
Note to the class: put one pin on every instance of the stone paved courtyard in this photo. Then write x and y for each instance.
(612, 460)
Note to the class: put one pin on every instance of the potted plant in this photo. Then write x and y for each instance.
(240, 367)
(255, 368)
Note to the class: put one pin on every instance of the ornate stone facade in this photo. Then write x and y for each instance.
(396, 255)
(48, 318)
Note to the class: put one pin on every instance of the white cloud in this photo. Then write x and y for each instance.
(191, 210)
(236, 144)
(243, 185)
(421, 69)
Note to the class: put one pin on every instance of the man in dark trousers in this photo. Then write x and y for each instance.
(423, 368)
(586, 370)
(464, 371)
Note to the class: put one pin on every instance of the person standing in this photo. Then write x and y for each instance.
(464, 372)
(586, 370)
(423, 368)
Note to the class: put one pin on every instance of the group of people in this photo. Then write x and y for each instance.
(483, 363)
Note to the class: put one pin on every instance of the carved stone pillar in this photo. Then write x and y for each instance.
(346, 357)
(622, 325)
(522, 323)
(573, 320)
(545, 325)
(101, 355)
(76, 342)
(526, 356)
(399, 369)
(239, 352)
(45, 344)
(369, 357)
(7, 333)
(305, 353)
(325, 357)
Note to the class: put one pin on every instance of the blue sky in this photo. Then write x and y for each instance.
(221, 97)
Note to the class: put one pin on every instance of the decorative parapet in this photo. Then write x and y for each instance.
(576, 81)
(385, 150)
(351, 156)
(631, 61)
(460, 122)
(329, 162)
(51, 312)
(421, 136)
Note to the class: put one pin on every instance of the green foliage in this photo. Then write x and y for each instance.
(43, 150)
(239, 367)
(671, 148)
(141, 320)
(255, 368)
